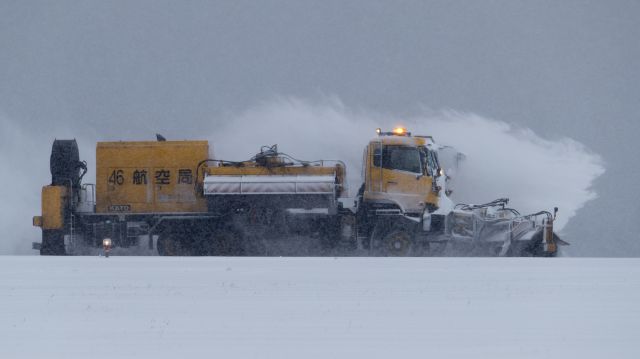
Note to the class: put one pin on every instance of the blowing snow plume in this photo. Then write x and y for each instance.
(24, 159)
(501, 160)
(22, 167)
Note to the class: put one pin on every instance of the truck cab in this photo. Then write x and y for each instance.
(400, 172)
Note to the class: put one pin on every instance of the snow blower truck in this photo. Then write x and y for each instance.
(172, 198)
(403, 207)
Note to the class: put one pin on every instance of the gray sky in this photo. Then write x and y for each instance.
(129, 69)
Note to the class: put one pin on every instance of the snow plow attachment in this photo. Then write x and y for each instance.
(495, 229)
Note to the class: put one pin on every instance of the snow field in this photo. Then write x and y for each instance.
(158, 307)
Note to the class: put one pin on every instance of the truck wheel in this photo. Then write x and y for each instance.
(390, 242)
(227, 242)
(52, 243)
(397, 243)
(338, 234)
(168, 246)
(200, 244)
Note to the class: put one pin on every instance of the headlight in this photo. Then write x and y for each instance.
(106, 242)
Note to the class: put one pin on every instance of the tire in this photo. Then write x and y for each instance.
(168, 245)
(391, 241)
(397, 243)
(227, 242)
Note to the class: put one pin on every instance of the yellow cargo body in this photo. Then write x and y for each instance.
(53, 201)
(149, 176)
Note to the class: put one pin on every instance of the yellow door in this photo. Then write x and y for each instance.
(375, 170)
(396, 169)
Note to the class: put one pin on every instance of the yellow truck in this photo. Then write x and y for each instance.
(176, 199)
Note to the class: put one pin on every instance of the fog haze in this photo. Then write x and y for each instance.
(124, 70)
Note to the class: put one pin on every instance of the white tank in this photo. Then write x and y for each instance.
(86, 200)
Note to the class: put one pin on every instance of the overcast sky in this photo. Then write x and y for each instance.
(129, 69)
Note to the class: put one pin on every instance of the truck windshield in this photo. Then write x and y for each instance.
(403, 158)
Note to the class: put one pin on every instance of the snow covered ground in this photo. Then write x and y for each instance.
(156, 307)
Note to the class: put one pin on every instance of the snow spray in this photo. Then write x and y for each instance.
(24, 159)
(501, 160)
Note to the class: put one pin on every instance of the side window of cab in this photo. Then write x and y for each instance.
(377, 155)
